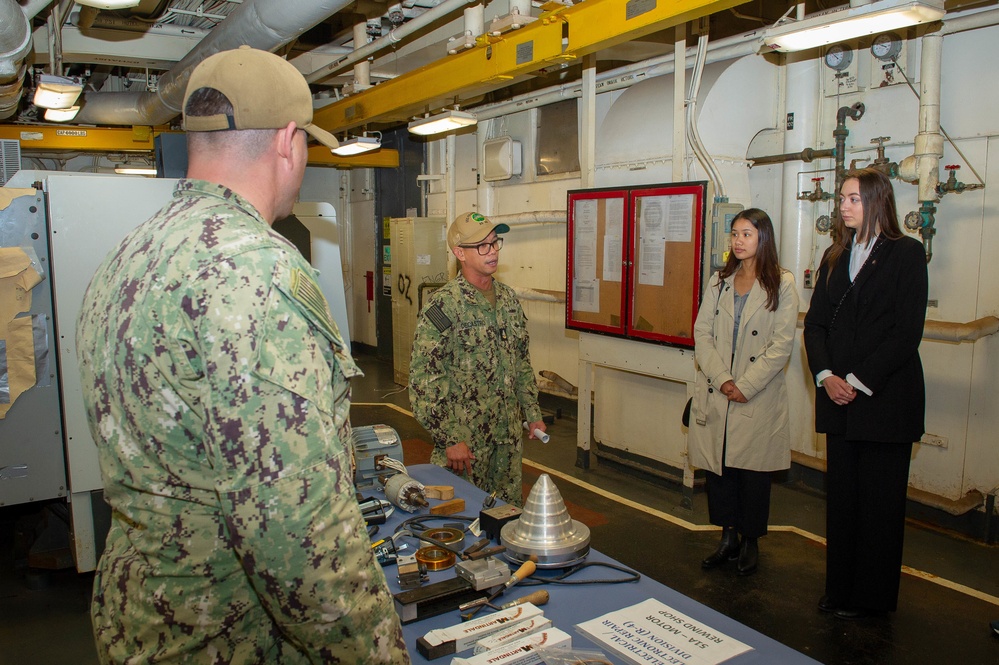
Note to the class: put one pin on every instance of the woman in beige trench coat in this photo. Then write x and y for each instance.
(739, 415)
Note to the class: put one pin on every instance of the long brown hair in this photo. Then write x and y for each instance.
(880, 215)
(767, 266)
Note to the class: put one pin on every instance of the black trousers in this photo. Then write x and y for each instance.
(866, 483)
(739, 498)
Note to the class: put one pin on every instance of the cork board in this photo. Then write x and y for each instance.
(634, 261)
(597, 242)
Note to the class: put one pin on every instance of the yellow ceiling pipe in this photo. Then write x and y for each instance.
(591, 26)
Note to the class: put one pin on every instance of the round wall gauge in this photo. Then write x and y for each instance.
(886, 46)
(839, 57)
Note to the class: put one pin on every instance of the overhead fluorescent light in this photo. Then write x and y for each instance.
(442, 122)
(61, 115)
(357, 145)
(837, 26)
(109, 4)
(57, 92)
(133, 169)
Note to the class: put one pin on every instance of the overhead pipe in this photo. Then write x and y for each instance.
(537, 217)
(32, 8)
(265, 24)
(15, 45)
(362, 68)
(621, 77)
(394, 36)
(806, 155)
(693, 136)
(924, 164)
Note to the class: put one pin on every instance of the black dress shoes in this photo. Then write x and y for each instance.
(825, 605)
(851, 614)
(727, 550)
(854, 613)
(749, 557)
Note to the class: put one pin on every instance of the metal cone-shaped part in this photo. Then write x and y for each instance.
(546, 530)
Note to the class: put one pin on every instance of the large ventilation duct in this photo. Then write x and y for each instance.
(264, 24)
(15, 45)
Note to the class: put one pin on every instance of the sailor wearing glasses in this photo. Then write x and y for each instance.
(470, 379)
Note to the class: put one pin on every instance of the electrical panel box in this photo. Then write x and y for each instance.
(722, 215)
(419, 264)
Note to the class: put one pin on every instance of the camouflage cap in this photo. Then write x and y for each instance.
(266, 92)
(470, 228)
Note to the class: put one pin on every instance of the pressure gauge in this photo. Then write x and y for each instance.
(886, 46)
(839, 57)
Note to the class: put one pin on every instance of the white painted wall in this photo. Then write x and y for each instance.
(746, 101)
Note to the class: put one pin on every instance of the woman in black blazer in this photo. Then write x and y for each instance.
(862, 334)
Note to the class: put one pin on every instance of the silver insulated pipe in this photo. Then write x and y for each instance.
(262, 24)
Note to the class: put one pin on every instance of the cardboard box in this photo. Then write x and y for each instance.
(453, 639)
(519, 652)
(512, 632)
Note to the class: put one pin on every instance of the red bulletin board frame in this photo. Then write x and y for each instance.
(611, 318)
(680, 293)
(645, 305)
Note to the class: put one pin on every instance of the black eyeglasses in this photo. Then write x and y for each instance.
(483, 247)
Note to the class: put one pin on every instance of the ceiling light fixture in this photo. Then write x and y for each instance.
(109, 4)
(127, 169)
(61, 115)
(57, 92)
(837, 26)
(357, 145)
(442, 122)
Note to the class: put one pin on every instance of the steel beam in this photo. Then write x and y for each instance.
(49, 138)
(587, 27)
(80, 139)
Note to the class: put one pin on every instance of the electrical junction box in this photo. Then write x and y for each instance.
(722, 215)
(502, 159)
(372, 443)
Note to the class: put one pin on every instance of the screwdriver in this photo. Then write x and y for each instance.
(540, 597)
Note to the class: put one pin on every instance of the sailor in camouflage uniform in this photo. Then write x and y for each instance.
(470, 379)
(217, 390)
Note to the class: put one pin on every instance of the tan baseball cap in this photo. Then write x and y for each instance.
(471, 228)
(266, 92)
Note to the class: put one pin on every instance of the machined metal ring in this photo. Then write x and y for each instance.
(447, 535)
(435, 558)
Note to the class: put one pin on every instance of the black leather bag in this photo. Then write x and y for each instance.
(685, 418)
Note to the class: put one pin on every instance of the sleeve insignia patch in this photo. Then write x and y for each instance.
(438, 318)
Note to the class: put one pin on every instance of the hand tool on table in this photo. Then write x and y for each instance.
(525, 571)
(535, 598)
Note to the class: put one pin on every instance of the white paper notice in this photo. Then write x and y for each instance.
(613, 239)
(651, 633)
(652, 240)
(586, 296)
(612, 259)
(679, 222)
(584, 248)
